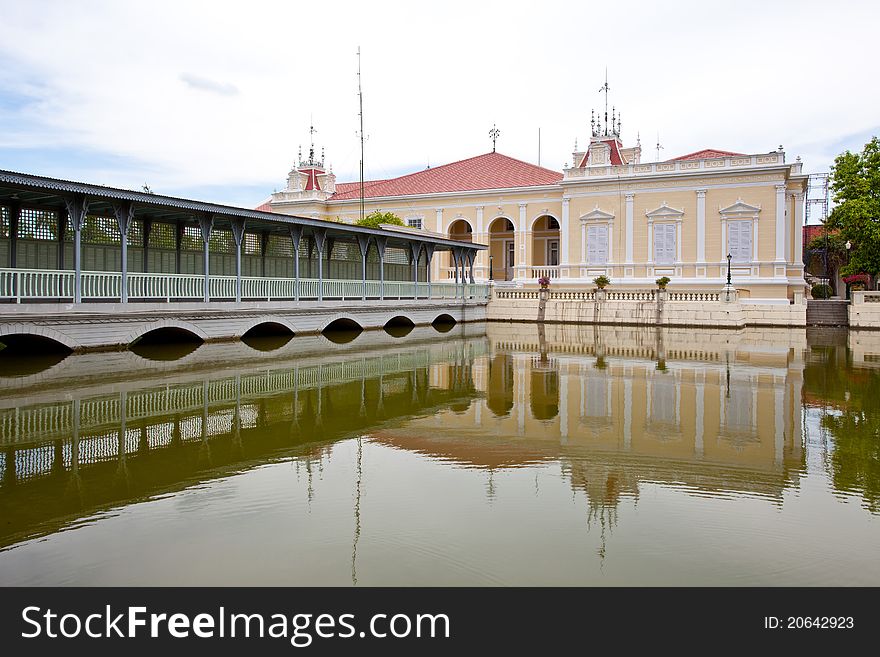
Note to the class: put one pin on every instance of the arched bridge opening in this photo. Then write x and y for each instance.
(22, 354)
(342, 330)
(399, 326)
(267, 336)
(443, 323)
(166, 343)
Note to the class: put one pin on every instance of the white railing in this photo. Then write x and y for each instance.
(624, 295)
(550, 272)
(37, 284)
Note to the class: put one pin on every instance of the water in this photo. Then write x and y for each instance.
(487, 455)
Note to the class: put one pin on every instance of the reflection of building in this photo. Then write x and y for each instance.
(607, 213)
(723, 416)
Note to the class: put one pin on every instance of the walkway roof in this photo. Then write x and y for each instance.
(30, 190)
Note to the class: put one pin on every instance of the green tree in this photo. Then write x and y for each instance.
(373, 219)
(855, 183)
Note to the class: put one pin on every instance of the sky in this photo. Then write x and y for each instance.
(211, 100)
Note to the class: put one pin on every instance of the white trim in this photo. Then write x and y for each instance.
(630, 198)
(701, 225)
(563, 233)
(780, 223)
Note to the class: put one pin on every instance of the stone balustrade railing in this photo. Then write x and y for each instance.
(624, 295)
(652, 168)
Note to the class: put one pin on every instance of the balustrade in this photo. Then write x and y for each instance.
(58, 285)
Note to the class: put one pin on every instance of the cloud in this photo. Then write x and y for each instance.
(204, 84)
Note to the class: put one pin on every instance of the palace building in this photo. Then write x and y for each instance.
(609, 214)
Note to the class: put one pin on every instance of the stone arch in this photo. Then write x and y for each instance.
(170, 324)
(502, 247)
(37, 331)
(467, 229)
(268, 321)
(545, 244)
(339, 322)
(541, 216)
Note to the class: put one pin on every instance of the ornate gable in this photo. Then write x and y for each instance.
(664, 212)
(740, 209)
(597, 215)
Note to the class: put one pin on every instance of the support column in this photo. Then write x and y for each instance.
(798, 249)
(701, 225)
(14, 218)
(206, 224)
(364, 244)
(650, 258)
(238, 236)
(780, 224)
(564, 229)
(472, 256)
(440, 220)
(583, 242)
(522, 247)
(755, 239)
(295, 239)
(264, 246)
(178, 238)
(148, 228)
(381, 243)
(124, 215)
(77, 209)
(724, 245)
(429, 257)
(320, 235)
(629, 229)
(415, 250)
(62, 233)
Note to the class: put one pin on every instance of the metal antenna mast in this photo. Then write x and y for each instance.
(658, 147)
(361, 115)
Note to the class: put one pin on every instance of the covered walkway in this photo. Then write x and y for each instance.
(63, 241)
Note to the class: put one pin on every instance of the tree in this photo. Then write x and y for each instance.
(855, 183)
(373, 219)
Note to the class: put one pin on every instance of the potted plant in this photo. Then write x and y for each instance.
(601, 282)
(544, 282)
(662, 282)
(857, 281)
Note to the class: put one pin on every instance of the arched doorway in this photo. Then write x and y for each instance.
(502, 248)
(545, 247)
(460, 231)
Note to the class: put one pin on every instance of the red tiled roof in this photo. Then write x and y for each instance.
(489, 171)
(704, 154)
(265, 206)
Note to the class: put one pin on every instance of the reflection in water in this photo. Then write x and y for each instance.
(399, 330)
(16, 364)
(633, 456)
(267, 342)
(343, 335)
(164, 351)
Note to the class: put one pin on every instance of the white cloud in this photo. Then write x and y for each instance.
(127, 79)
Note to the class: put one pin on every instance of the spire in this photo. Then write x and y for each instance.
(494, 133)
(605, 88)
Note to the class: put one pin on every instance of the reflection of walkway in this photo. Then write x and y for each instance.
(116, 447)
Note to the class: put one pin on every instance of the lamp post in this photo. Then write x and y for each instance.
(490, 268)
(848, 246)
(729, 257)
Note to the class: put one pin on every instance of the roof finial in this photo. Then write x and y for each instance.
(494, 133)
(312, 132)
(605, 88)
(593, 122)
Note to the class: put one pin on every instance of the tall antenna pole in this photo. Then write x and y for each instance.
(361, 115)
(658, 146)
(539, 146)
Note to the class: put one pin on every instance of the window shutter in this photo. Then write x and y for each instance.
(739, 240)
(597, 245)
(664, 243)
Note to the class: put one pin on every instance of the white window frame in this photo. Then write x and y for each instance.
(743, 226)
(667, 229)
(597, 217)
(415, 222)
(593, 260)
(739, 211)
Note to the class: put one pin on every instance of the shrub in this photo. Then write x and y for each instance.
(602, 281)
(374, 219)
(858, 281)
(821, 291)
(662, 282)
